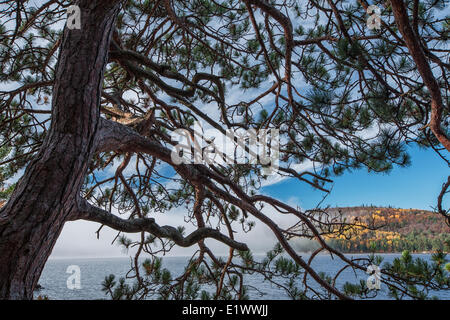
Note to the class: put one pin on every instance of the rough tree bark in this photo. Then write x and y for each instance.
(32, 220)
(48, 193)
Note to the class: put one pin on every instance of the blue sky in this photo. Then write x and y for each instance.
(416, 186)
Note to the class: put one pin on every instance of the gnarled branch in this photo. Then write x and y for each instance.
(415, 49)
(87, 211)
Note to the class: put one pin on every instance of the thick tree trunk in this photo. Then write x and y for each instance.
(31, 221)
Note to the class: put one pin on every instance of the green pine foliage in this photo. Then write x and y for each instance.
(346, 99)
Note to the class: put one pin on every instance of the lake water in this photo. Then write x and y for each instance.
(93, 271)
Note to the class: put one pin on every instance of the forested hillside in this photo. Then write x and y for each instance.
(391, 230)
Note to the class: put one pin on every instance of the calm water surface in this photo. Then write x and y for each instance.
(93, 271)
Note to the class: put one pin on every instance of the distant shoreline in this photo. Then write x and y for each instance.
(255, 254)
(368, 253)
(412, 252)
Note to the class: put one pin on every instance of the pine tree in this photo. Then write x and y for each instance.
(86, 120)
